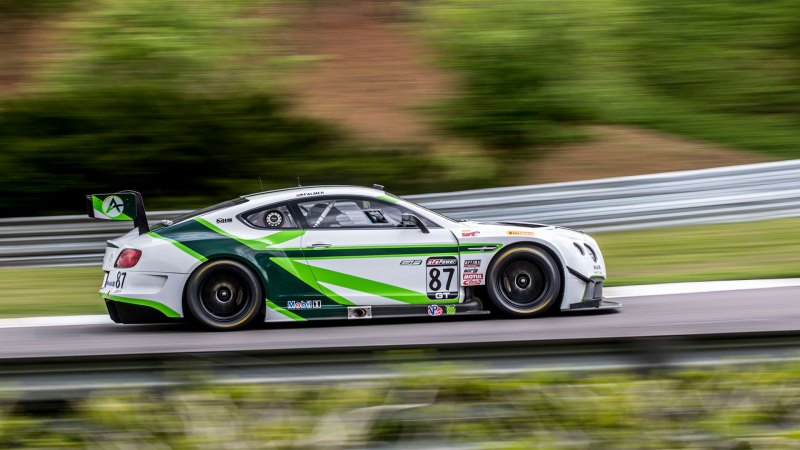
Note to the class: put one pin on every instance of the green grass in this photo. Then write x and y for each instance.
(50, 292)
(766, 249)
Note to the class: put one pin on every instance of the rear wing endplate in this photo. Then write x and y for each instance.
(123, 205)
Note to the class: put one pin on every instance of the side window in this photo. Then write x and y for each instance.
(271, 217)
(354, 213)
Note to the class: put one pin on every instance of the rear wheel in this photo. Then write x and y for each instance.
(524, 282)
(223, 295)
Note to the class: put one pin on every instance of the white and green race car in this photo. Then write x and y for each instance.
(337, 252)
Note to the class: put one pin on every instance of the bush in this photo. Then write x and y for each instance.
(517, 62)
(721, 70)
(175, 149)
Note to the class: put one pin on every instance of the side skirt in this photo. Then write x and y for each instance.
(467, 308)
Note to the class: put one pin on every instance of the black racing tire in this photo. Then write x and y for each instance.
(224, 295)
(524, 282)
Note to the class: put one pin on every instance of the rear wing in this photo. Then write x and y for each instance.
(123, 205)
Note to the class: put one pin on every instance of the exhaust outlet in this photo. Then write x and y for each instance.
(359, 312)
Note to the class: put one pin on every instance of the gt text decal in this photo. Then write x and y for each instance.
(441, 277)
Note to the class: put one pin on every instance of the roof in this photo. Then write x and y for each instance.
(310, 188)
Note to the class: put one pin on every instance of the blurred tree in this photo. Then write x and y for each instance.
(178, 150)
(174, 99)
(518, 61)
(200, 46)
(723, 55)
(722, 70)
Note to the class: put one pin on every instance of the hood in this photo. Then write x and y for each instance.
(566, 232)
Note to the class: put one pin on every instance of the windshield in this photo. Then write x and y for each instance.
(426, 209)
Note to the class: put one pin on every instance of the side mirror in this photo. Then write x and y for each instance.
(412, 221)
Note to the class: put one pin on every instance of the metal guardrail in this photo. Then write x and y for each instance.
(727, 194)
(60, 378)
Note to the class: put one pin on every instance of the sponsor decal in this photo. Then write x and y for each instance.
(446, 261)
(435, 310)
(225, 220)
(273, 219)
(304, 304)
(114, 283)
(467, 233)
(474, 270)
(113, 206)
(597, 268)
(450, 309)
(472, 263)
(520, 233)
(473, 279)
(308, 194)
(411, 262)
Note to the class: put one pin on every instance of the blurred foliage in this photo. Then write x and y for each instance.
(518, 62)
(26, 9)
(174, 99)
(763, 249)
(203, 46)
(722, 407)
(170, 146)
(723, 70)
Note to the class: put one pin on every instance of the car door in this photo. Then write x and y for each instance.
(360, 253)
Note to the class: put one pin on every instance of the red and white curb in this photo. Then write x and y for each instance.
(619, 292)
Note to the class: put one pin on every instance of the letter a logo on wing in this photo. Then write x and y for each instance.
(113, 206)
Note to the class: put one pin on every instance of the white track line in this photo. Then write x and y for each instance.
(54, 321)
(611, 292)
(696, 287)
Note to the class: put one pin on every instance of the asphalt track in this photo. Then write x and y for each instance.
(773, 309)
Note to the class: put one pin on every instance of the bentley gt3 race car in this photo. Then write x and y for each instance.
(337, 252)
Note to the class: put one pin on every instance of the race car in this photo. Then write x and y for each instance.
(337, 252)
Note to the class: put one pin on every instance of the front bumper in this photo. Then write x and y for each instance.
(594, 304)
(592, 298)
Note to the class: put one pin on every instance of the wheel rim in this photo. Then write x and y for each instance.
(225, 297)
(523, 284)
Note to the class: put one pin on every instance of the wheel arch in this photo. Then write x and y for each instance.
(550, 250)
(232, 257)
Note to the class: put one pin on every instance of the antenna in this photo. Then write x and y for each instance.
(298, 182)
(261, 182)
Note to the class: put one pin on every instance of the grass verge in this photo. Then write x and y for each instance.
(765, 249)
(736, 251)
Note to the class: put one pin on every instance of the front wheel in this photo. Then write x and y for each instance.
(223, 295)
(524, 282)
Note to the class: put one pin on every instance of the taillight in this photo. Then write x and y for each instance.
(128, 258)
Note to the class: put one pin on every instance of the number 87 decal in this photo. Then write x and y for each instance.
(442, 278)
